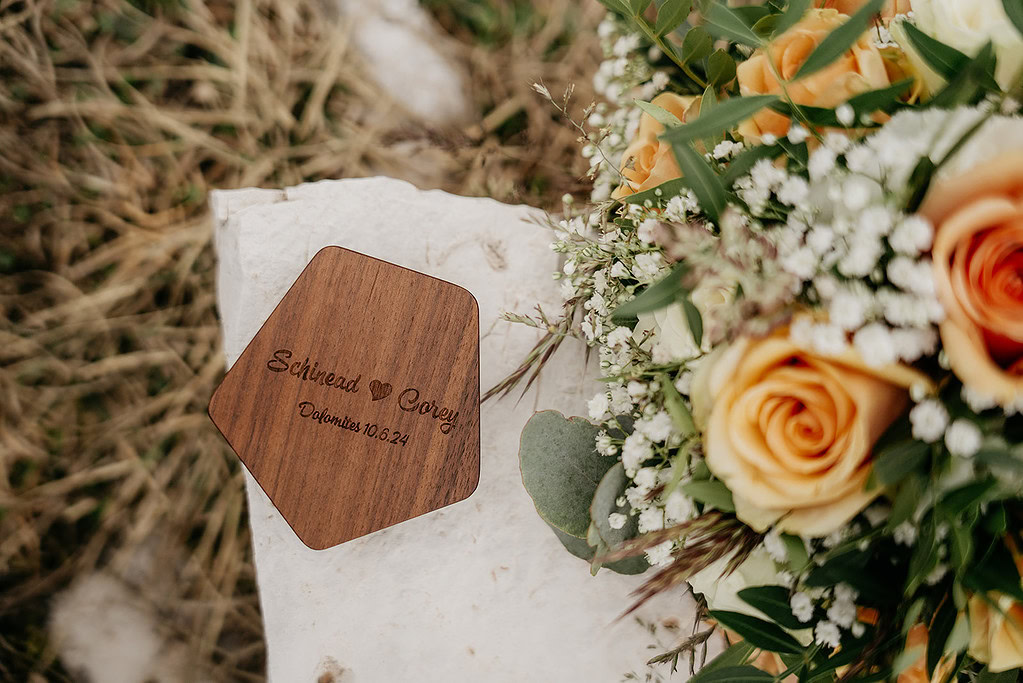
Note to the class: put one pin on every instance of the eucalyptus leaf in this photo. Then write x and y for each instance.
(702, 180)
(725, 22)
(659, 114)
(836, 43)
(659, 295)
(577, 546)
(605, 498)
(760, 633)
(561, 469)
(726, 115)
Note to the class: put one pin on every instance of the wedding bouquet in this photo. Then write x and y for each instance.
(802, 273)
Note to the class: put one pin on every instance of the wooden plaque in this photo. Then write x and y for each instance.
(356, 405)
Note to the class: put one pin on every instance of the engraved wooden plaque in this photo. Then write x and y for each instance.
(356, 405)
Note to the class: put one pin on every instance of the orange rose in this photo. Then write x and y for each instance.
(647, 162)
(917, 673)
(790, 433)
(996, 633)
(978, 270)
(890, 9)
(860, 69)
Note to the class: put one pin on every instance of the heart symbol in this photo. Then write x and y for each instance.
(379, 389)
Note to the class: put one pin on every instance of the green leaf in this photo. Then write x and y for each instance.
(638, 6)
(938, 632)
(659, 114)
(987, 676)
(663, 192)
(726, 115)
(956, 502)
(760, 633)
(840, 40)
(694, 319)
(696, 44)
(925, 556)
(906, 501)
(944, 59)
(736, 655)
(676, 407)
(960, 544)
(773, 601)
(733, 674)
(720, 68)
(670, 15)
(919, 183)
(710, 493)
(617, 6)
(725, 22)
(995, 572)
(894, 463)
(659, 295)
(796, 551)
(1000, 459)
(702, 180)
(1014, 10)
(577, 546)
(881, 99)
(561, 469)
(970, 83)
(605, 498)
(791, 16)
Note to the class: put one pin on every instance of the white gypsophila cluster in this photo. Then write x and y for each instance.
(624, 76)
(859, 257)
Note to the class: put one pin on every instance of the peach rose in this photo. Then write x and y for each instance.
(978, 270)
(996, 634)
(860, 69)
(889, 10)
(917, 672)
(790, 433)
(647, 161)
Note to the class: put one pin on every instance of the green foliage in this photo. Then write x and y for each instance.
(725, 22)
(604, 502)
(702, 180)
(760, 633)
(659, 295)
(727, 114)
(840, 40)
(774, 602)
(713, 493)
(561, 469)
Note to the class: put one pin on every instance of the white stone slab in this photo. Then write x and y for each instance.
(478, 591)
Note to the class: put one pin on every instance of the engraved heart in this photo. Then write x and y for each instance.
(379, 389)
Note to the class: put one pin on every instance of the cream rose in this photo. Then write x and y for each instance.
(647, 161)
(860, 69)
(666, 332)
(968, 26)
(996, 635)
(790, 433)
(978, 270)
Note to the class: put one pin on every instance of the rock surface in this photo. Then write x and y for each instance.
(478, 591)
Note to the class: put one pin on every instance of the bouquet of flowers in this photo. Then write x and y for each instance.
(802, 273)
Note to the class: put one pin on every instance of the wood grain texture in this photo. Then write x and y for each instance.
(356, 405)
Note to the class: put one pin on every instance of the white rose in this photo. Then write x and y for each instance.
(669, 326)
(722, 592)
(967, 25)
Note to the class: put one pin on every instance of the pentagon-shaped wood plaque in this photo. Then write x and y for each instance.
(356, 405)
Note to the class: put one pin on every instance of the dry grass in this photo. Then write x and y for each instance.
(116, 119)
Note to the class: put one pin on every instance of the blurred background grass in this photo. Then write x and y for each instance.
(116, 120)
